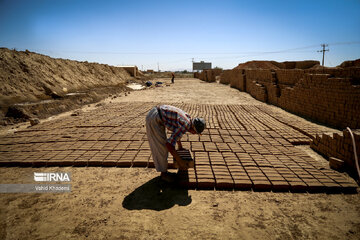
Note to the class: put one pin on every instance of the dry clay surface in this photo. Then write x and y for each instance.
(113, 203)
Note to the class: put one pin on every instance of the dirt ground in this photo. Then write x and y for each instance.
(131, 203)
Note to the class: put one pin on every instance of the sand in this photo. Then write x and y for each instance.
(131, 203)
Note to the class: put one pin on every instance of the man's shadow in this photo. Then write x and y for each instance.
(156, 195)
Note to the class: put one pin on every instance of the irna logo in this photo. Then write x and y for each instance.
(51, 177)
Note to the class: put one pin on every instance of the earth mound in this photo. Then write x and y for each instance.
(29, 77)
(278, 65)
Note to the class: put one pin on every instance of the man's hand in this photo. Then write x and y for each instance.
(182, 164)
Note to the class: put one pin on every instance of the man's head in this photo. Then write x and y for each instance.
(198, 125)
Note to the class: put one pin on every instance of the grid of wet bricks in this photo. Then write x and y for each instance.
(243, 147)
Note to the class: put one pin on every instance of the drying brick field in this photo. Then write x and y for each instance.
(255, 175)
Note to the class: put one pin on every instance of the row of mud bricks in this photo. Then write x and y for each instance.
(339, 150)
(329, 96)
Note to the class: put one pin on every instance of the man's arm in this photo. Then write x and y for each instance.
(179, 145)
(175, 154)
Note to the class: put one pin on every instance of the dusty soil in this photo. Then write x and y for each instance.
(27, 76)
(38, 86)
(121, 203)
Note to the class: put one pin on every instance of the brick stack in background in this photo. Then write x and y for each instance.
(257, 83)
(238, 79)
(333, 101)
(339, 146)
(225, 77)
(215, 73)
(208, 75)
(327, 95)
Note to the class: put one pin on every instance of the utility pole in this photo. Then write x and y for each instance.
(323, 51)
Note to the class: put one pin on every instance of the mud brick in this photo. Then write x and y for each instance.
(222, 174)
(80, 163)
(197, 147)
(298, 186)
(124, 162)
(224, 183)
(349, 187)
(214, 131)
(261, 185)
(242, 184)
(205, 183)
(201, 161)
(139, 162)
(194, 138)
(205, 138)
(240, 177)
(141, 159)
(203, 174)
(134, 145)
(217, 161)
(186, 156)
(232, 162)
(23, 163)
(216, 138)
(227, 139)
(223, 147)
(305, 176)
(258, 178)
(145, 146)
(262, 164)
(203, 168)
(314, 185)
(275, 177)
(280, 186)
(246, 163)
(332, 187)
(95, 162)
(248, 148)
(123, 145)
(244, 156)
(210, 147)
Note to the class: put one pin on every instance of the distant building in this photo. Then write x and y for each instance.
(150, 71)
(199, 66)
(132, 70)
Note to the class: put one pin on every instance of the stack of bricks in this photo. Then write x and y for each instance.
(225, 77)
(237, 79)
(208, 75)
(332, 99)
(257, 83)
(339, 146)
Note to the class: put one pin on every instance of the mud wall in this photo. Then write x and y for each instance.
(339, 146)
(209, 75)
(329, 96)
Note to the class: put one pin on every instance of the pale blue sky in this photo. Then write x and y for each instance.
(171, 33)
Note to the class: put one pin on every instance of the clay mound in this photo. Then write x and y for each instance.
(354, 63)
(27, 76)
(278, 65)
(259, 65)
